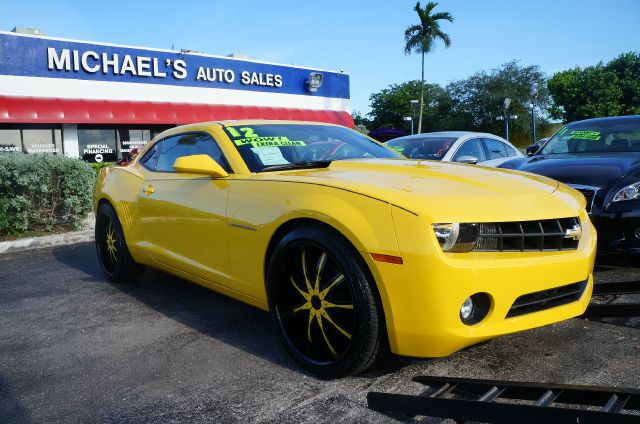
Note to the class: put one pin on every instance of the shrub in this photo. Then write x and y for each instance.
(97, 166)
(40, 192)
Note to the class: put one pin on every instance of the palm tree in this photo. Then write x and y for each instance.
(421, 38)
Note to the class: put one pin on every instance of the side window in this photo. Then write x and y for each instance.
(151, 157)
(186, 145)
(495, 148)
(471, 147)
(510, 150)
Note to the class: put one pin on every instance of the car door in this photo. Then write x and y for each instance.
(496, 152)
(472, 147)
(183, 219)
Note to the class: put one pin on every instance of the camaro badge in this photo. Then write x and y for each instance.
(574, 232)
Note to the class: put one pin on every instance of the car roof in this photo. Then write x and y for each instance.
(628, 118)
(440, 134)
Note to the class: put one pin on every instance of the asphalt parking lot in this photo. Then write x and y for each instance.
(76, 348)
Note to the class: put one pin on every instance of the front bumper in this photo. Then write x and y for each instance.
(422, 297)
(617, 235)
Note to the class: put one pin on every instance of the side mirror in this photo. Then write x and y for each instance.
(531, 150)
(467, 159)
(199, 164)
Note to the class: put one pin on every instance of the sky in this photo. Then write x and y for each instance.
(363, 38)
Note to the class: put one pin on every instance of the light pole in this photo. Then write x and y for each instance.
(505, 116)
(415, 104)
(409, 119)
(534, 93)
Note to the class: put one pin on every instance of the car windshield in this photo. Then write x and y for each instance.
(278, 146)
(432, 148)
(598, 137)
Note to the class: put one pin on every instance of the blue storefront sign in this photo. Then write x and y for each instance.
(55, 58)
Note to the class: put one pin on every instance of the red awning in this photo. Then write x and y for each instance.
(30, 110)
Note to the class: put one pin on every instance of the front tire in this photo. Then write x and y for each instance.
(114, 257)
(321, 298)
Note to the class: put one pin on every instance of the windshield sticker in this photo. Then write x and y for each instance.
(247, 132)
(585, 135)
(269, 142)
(270, 155)
(562, 131)
(397, 148)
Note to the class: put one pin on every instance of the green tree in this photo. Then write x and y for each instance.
(421, 38)
(361, 122)
(390, 105)
(596, 91)
(477, 101)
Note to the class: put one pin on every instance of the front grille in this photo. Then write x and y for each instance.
(588, 192)
(521, 236)
(546, 299)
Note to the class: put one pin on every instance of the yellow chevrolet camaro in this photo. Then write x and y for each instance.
(352, 248)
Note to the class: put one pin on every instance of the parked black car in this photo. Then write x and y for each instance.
(600, 158)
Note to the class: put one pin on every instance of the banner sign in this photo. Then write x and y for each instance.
(30, 56)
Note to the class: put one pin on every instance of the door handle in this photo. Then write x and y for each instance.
(148, 190)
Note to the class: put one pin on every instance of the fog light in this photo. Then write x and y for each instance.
(638, 233)
(467, 309)
(475, 308)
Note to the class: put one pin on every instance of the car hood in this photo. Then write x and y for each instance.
(439, 189)
(600, 170)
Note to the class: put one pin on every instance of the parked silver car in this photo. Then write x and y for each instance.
(457, 146)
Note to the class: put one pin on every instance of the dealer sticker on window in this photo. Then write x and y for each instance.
(585, 135)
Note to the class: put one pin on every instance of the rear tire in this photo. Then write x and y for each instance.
(114, 257)
(321, 298)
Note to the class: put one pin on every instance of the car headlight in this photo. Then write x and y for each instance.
(456, 237)
(630, 192)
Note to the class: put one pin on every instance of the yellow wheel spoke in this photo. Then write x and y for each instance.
(304, 294)
(304, 271)
(312, 315)
(327, 305)
(321, 261)
(324, 335)
(306, 305)
(337, 280)
(344, 332)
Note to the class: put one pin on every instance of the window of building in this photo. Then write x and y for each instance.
(129, 139)
(97, 145)
(42, 141)
(10, 141)
(186, 145)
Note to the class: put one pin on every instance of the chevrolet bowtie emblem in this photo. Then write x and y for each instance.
(574, 232)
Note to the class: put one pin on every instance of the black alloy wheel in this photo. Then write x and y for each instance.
(321, 297)
(114, 257)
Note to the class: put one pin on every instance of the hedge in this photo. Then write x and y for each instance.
(97, 166)
(39, 193)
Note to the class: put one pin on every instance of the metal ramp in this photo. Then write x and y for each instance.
(464, 399)
(609, 308)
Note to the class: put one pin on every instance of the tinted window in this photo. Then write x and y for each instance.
(150, 158)
(10, 141)
(97, 145)
(269, 145)
(42, 141)
(433, 148)
(495, 148)
(510, 150)
(186, 145)
(471, 147)
(611, 135)
(129, 139)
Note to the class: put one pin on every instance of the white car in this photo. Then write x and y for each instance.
(456, 146)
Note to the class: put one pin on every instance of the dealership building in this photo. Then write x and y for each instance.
(97, 101)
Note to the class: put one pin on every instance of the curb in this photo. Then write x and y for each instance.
(46, 241)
